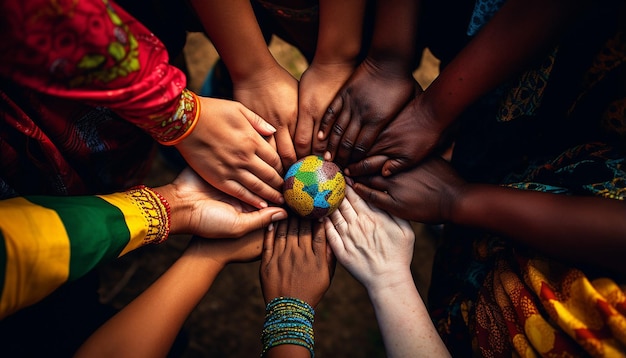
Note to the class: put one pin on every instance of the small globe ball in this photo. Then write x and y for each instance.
(314, 187)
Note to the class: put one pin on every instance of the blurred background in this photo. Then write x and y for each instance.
(228, 321)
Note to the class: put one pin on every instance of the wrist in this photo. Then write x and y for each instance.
(259, 69)
(395, 280)
(179, 209)
(391, 62)
(465, 204)
(183, 121)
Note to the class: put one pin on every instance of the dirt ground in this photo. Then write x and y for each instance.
(228, 321)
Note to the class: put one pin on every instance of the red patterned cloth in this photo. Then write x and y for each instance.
(83, 88)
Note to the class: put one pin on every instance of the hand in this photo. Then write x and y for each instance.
(424, 194)
(296, 261)
(409, 138)
(367, 102)
(318, 86)
(228, 150)
(374, 246)
(200, 209)
(273, 94)
(225, 251)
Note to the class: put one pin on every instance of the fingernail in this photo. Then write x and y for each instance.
(320, 135)
(279, 216)
(270, 127)
(349, 181)
(328, 156)
(270, 227)
(346, 171)
(263, 204)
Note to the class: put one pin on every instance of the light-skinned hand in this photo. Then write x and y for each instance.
(273, 94)
(200, 209)
(229, 150)
(375, 247)
(318, 86)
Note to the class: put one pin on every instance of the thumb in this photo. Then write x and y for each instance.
(261, 218)
(368, 166)
(393, 166)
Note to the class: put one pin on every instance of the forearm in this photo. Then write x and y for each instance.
(404, 322)
(120, 65)
(233, 29)
(288, 351)
(588, 230)
(519, 33)
(148, 325)
(340, 31)
(394, 40)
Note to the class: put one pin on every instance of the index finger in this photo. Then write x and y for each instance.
(378, 198)
(304, 234)
(268, 243)
(285, 148)
(329, 118)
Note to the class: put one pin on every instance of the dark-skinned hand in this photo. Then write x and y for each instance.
(369, 100)
(425, 194)
(296, 261)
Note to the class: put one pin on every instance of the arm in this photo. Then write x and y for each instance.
(117, 63)
(591, 228)
(334, 61)
(160, 311)
(519, 33)
(379, 88)
(296, 270)
(259, 82)
(377, 249)
(59, 239)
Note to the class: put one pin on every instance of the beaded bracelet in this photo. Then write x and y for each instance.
(288, 320)
(157, 211)
(184, 120)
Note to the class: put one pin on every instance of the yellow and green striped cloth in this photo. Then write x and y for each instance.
(46, 241)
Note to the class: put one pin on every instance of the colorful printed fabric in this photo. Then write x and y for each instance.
(483, 12)
(563, 133)
(47, 241)
(77, 79)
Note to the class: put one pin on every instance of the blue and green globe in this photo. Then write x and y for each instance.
(314, 187)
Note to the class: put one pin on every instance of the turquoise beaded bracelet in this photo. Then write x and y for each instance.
(288, 320)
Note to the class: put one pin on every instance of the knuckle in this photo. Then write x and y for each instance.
(346, 144)
(338, 130)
